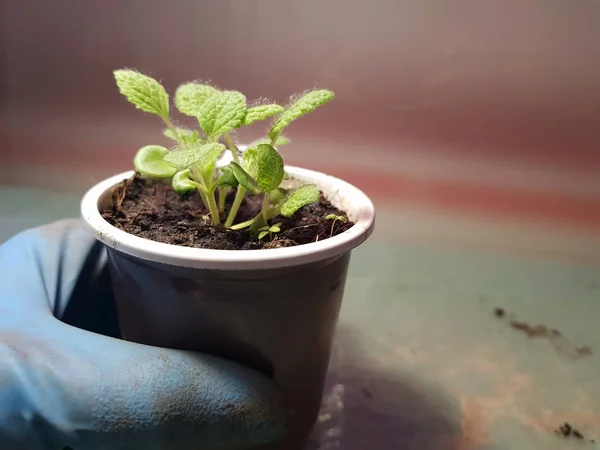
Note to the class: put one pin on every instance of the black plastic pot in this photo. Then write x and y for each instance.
(273, 310)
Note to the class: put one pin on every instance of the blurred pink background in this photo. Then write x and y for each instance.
(467, 105)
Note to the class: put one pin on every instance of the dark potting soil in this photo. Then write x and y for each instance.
(155, 211)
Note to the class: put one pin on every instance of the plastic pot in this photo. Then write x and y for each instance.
(274, 310)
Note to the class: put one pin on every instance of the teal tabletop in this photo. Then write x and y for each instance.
(456, 332)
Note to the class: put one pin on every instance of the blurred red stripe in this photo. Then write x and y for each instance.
(402, 189)
(488, 200)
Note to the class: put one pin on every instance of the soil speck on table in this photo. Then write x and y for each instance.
(532, 331)
(560, 343)
(153, 210)
(566, 430)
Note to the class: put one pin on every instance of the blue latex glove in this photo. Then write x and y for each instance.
(65, 384)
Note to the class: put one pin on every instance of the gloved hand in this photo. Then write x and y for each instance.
(66, 384)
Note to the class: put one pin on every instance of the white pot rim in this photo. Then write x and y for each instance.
(347, 197)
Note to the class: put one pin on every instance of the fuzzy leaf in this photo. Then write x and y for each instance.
(261, 112)
(222, 112)
(304, 195)
(203, 155)
(281, 140)
(208, 162)
(227, 178)
(143, 91)
(244, 178)
(190, 97)
(182, 183)
(187, 136)
(305, 104)
(193, 138)
(270, 168)
(149, 161)
(249, 162)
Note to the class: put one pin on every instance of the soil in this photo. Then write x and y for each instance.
(533, 331)
(560, 343)
(155, 211)
(566, 430)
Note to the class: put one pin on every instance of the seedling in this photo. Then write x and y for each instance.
(192, 163)
(335, 218)
(270, 230)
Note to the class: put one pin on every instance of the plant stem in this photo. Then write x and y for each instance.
(265, 205)
(272, 212)
(331, 233)
(208, 198)
(203, 198)
(171, 127)
(274, 140)
(212, 206)
(237, 201)
(222, 196)
(263, 212)
(242, 225)
(232, 148)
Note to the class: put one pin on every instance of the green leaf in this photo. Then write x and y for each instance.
(187, 136)
(200, 154)
(336, 217)
(227, 178)
(190, 97)
(207, 163)
(281, 140)
(275, 228)
(302, 196)
(244, 178)
(262, 234)
(261, 112)
(249, 162)
(193, 138)
(305, 104)
(270, 168)
(149, 161)
(182, 183)
(143, 91)
(222, 112)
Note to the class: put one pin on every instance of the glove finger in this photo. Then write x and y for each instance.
(59, 269)
(63, 386)
(78, 389)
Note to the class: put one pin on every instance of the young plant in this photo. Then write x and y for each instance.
(303, 105)
(192, 163)
(269, 230)
(263, 173)
(335, 218)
